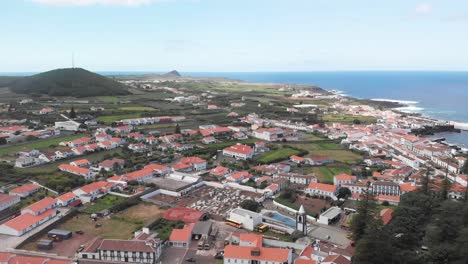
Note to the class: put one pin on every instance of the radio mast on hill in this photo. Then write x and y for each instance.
(73, 60)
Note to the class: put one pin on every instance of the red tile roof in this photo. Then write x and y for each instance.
(96, 186)
(336, 259)
(184, 234)
(81, 162)
(25, 188)
(192, 160)
(26, 220)
(73, 169)
(266, 254)
(322, 187)
(406, 187)
(219, 171)
(110, 162)
(156, 167)
(386, 215)
(240, 148)
(5, 198)
(297, 158)
(255, 239)
(66, 197)
(41, 204)
(345, 177)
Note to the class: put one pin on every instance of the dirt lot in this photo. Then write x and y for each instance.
(118, 226)
(146, 213)
(312, 205)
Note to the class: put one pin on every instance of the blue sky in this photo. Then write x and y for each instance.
(234, 35)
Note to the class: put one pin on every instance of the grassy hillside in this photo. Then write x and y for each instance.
(69, 82)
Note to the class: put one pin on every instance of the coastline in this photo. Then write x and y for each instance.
(409, 107)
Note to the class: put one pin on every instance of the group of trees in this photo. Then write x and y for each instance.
(426, 228)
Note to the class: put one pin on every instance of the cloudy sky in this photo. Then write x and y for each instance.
(234, 35)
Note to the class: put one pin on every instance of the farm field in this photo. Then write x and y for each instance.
(326, 173)
(38, 144)
(144, 213)
(108, 99)
(103, 203)
(278, 155)
(137, 108)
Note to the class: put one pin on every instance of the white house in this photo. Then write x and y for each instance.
(239, 151)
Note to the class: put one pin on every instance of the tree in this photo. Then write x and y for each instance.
(445, 189)
(250, 205)
(72, 112)
(343, 193)
(356, 121)
(365, 213)
(177, 129)
(374, 246)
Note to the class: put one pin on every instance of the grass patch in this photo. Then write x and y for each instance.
(345, 156)
(329, 146)
(103, 203)
(113, 118)
(108, 99)
(326, 173)
(38, 144)
(164, 227)
(143, 213)
(349, 119)
(277, 155)
(137, 108)
(112, 228)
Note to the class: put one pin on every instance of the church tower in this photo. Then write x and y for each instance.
(301, 221)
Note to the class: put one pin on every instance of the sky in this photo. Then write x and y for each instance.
(233, 35)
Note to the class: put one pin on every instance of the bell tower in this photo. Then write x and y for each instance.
(301, 221)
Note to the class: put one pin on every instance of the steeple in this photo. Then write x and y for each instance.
(301, 220)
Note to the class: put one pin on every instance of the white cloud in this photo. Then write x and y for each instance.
(423, 9)
(94, 2)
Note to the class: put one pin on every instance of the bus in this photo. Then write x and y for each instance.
(261, 228)
(233, 223)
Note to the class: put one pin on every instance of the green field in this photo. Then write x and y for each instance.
(103, 203)
(108, 99)
(330, 149)
(326, 173)
(343, 118)
(137, 108)
(38, 144)
(113, 118)
(278, 155)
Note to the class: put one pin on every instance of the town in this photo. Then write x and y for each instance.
(187, 170)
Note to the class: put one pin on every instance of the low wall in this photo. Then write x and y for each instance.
(293, 211)
(281, 244)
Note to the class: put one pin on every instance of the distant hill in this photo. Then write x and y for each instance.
(173, 73)
(68, 82)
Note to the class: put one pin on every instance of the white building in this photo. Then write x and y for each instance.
(239, 151)
(67, 125)
(248, 218)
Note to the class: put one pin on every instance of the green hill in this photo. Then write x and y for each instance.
(68, 82)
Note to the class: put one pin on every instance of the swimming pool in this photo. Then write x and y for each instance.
(283, 219)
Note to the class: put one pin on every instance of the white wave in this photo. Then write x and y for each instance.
(460, 125)
(410, 109)
(405, 102)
